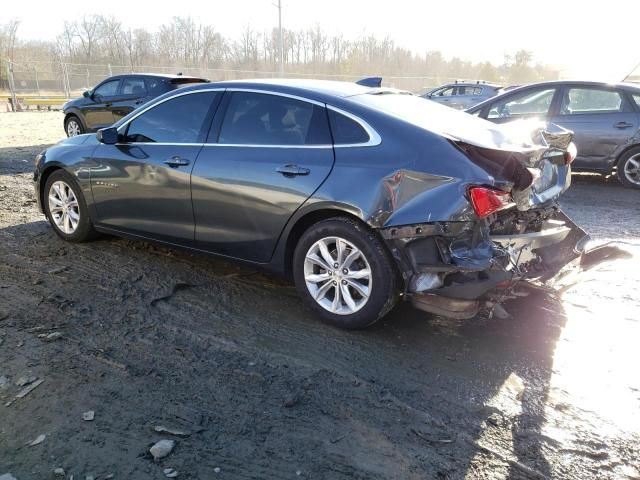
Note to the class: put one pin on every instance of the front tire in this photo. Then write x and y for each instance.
(73, 127)
(66, 208)
(345, 274)
(629, 168)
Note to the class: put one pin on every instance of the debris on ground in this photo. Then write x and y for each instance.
(27, 390)
(24, 381)
(170, 473)
(162, 449)
(88, 416)
(39, 439)
(171, 431)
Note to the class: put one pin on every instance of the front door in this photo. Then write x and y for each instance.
(142, 185)
(268, 156)
(602, 122)
(98, 113)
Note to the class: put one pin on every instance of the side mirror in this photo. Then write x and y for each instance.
(86, 94)
(108, 136)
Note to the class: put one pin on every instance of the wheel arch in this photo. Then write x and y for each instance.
(44, 176)
(623, 152)
(305, 220)
(76, 114)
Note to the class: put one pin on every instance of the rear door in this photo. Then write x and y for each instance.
(98, 113)
(266, 155)
(602, 120)
(142, 184)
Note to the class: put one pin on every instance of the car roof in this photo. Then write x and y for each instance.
(554, 83)
(319, 90)
(159, 75)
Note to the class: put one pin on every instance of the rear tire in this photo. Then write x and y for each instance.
(73, 126)
(629, 168)
(66, 209)
(345, 274)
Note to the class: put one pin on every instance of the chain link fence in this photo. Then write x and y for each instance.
(28, 83)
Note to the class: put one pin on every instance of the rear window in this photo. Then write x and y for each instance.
(345, 130)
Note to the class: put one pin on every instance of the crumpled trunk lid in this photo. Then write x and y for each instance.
(527, 158)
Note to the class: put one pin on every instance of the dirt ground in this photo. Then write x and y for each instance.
(258, 388)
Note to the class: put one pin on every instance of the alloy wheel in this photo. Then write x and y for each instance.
(338, 275)
(632, 169)
(73, 128)
(64, 207)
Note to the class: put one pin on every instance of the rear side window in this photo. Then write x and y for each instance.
(179, 120)
(345, 130)
(156, 86)
(636, 98)
(134, 87)
(264, 119)
(580, 101)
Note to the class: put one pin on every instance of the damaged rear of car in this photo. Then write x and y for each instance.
(477, 212)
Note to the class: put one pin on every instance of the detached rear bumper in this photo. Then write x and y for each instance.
(454, 268)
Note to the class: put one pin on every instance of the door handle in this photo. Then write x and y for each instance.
(107, 104)
(138, 102)
(177, 161)
(292, 170)
(623, 125)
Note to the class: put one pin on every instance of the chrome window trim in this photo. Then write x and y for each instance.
(279, 94)
(236, 145)
(374, 137)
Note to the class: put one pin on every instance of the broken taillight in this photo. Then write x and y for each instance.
(570, 154)
(486, 201)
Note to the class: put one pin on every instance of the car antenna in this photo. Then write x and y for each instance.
(179, 74)
(374, 82)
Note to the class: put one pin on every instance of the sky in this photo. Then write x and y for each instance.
(587, 39)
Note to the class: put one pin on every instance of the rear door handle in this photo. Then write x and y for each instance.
(623, 125)
(292, 170)
(177, 161)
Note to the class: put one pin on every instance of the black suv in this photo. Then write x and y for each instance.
(117, 96)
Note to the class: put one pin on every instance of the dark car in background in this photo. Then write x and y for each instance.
(461, 95)
(362, 195)
(604, 117)
(116, 97)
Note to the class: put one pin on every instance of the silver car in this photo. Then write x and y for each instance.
(461, 95)
(604, 117)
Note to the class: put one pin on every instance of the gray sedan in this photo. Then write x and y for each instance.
(461, 95)
(604, 117)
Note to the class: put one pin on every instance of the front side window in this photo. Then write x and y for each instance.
(445, 92)
(264, 119)
(134, 87)
(179, 120)
(107, 89)
(536, 102)
(580, 101)
(636, 98)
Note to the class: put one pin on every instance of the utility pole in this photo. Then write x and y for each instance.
(280, 39)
